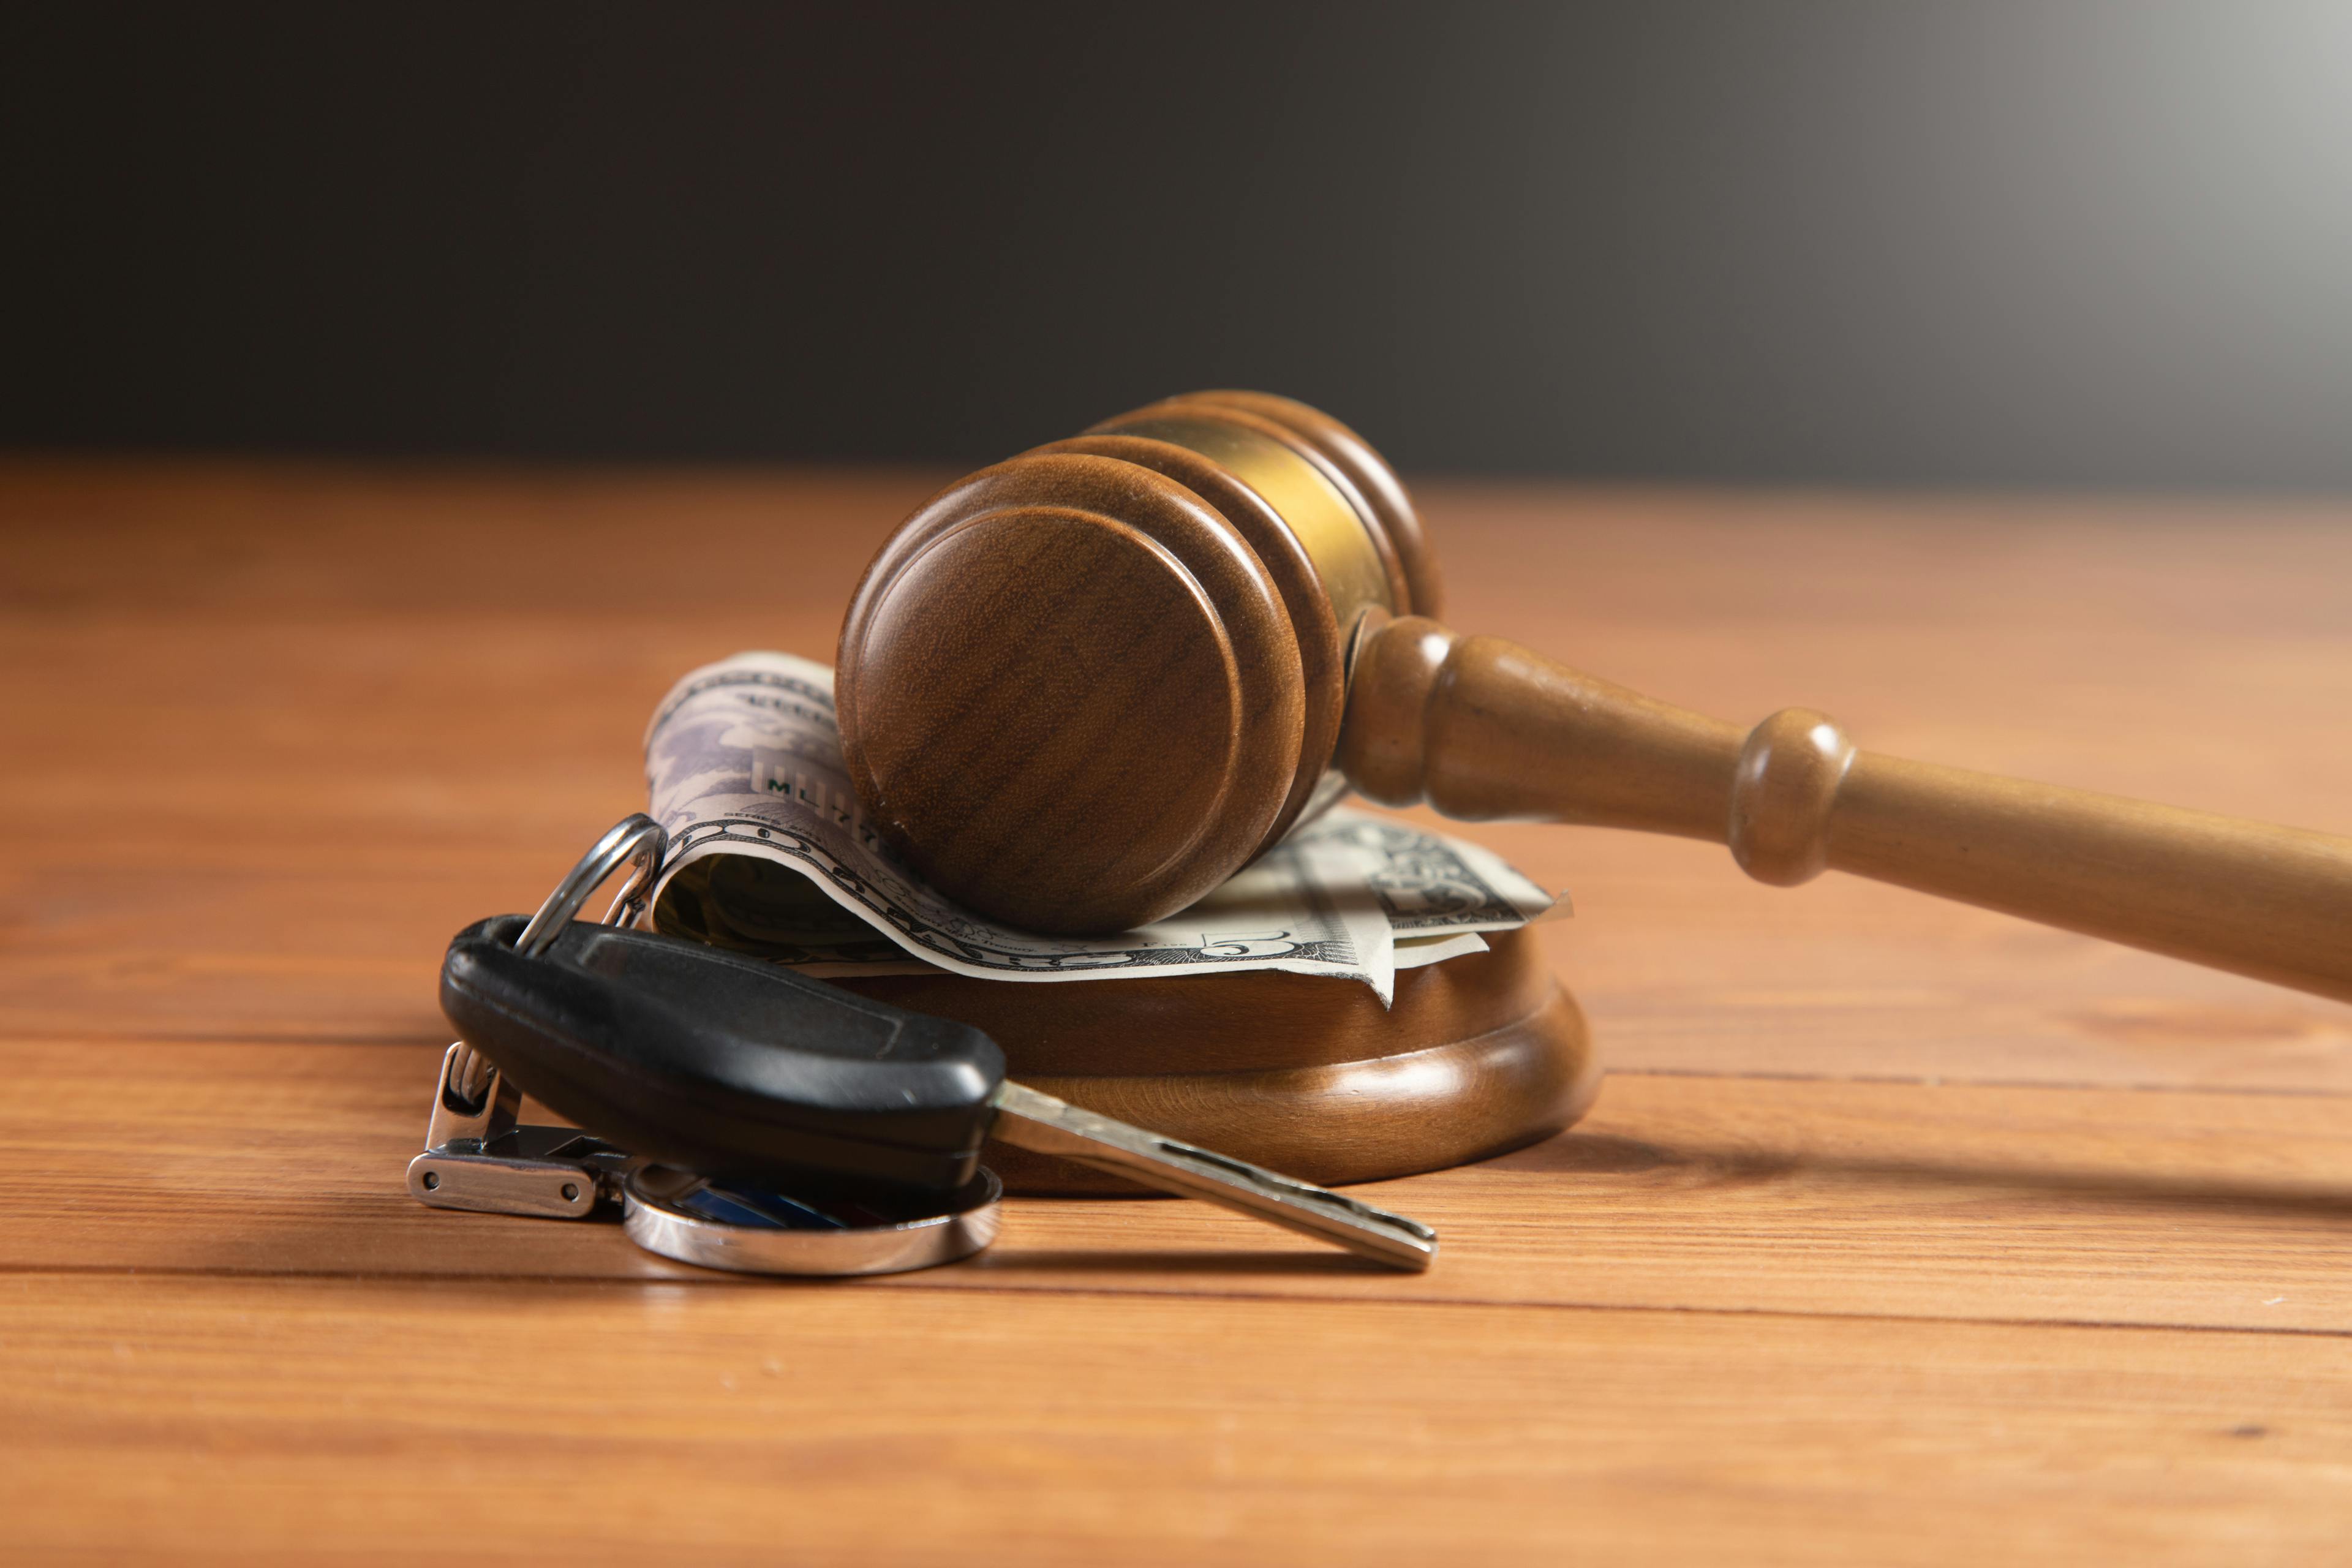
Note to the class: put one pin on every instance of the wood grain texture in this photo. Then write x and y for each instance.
(1314, 627)
(1070, 694)
(645, 1422)
(1071, 691)
(1903, 1232)
(1675, 1194)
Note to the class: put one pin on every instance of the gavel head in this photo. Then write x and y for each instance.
(1080, 689)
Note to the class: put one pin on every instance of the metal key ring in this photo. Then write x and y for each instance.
(635, 837)
(672, 1214)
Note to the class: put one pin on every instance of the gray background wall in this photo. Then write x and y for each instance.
(2066, 242)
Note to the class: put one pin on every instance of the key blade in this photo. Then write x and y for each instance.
(1051, 1126)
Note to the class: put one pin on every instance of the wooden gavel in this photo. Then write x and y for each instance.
(1080, 689)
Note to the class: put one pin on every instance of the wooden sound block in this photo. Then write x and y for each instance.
(1305, 1074)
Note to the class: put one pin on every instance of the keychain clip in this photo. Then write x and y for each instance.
(477, 1155)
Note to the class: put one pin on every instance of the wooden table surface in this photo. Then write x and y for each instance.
(1901, 1232)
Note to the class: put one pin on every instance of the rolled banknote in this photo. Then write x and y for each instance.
(769, 853)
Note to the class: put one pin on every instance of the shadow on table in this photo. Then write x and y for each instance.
(1003, 1259)
(1706, 1165)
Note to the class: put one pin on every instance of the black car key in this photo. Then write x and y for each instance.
(738, 1069)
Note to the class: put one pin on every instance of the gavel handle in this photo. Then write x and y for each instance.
(1482, 729)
